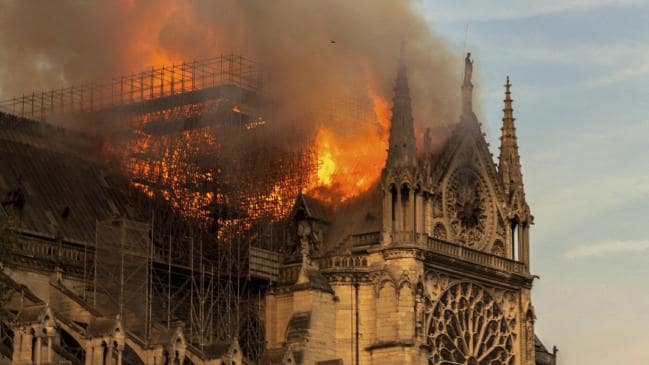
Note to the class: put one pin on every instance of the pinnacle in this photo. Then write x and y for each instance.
(402, 149)
(509, 160)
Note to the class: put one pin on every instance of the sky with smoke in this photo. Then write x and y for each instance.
(579, 71)
(311, 51)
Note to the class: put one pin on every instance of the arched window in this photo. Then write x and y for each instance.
(114, 353)
(414, 207)
(104, 353)
(34, 349)
(514, 240)
(405, 195)
(7, 338)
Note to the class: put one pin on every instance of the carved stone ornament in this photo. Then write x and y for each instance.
(498, 248)
(304, 233)
(469, 207)
(436, 284)
(502, 231)
(438, 211)
(309, 237)
(468, 327)
(439, 232)
(509, 305)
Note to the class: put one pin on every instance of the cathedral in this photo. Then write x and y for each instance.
(432, 266)
(432, 269)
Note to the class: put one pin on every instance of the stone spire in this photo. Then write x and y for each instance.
(509, 165)
(467, 86)
(402, 150)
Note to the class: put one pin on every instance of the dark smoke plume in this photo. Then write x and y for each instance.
(312, 51)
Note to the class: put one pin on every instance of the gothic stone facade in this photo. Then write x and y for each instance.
(443, 280)
(431, 267)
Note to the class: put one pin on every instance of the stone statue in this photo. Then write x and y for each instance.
(468, 68)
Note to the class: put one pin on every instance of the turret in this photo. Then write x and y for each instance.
(400, 195)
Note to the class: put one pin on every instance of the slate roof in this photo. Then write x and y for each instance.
(312, 208)
(538, 345)
(543, 356)
(19, 288)
(63, 192)
(46, 136)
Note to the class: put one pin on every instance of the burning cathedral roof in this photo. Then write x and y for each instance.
(209, 152)
(53, 189)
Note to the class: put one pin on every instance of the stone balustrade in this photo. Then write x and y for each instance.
(288, 273)
(343, 262)
(365, 239)
(474, 256)
(72, 256)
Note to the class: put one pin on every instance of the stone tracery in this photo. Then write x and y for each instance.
(469, 207)
(468, 327)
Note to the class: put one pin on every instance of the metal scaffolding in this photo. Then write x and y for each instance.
(214, 184)
(168, 81)
(123, 251)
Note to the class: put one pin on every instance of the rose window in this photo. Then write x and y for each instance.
(469, 207)
(468, 328)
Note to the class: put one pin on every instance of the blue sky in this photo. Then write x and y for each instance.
(580, 71)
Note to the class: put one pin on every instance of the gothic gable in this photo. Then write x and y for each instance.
(469, 192)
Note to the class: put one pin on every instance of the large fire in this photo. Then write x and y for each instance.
(350, 161)
(342, 159)
(348, 165)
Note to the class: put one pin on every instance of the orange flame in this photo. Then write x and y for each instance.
(349, 159)
(350, 162)
(326, 163)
